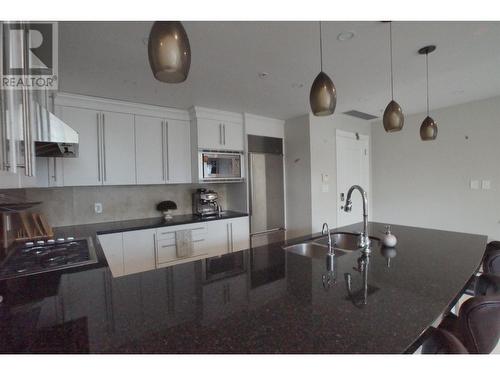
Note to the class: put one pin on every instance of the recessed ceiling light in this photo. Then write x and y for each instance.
(345, 35)
(263, 75)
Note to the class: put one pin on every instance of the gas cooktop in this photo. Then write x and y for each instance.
(34, 258)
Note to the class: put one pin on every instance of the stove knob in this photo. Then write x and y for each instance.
(70, 238)
(60, 240)
(40, 242)
(51, 241)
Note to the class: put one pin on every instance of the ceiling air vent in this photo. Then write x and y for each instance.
(361, 115)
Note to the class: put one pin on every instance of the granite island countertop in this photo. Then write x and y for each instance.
(174, 310)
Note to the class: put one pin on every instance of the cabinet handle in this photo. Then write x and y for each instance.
(155, 250)
(26, 109)
(232, 242)
(163, 150)
(224, 132)
(166, 151)
(228, 240)
(99, 145)
(54, 176)
(104, 148)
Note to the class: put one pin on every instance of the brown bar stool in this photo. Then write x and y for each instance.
(442, 342)
(491, 261)
(487, 285)
(477, 325)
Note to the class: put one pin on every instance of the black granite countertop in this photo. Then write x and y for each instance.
(278, 305)
(155, 222)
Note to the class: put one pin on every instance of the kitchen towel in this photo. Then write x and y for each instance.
(183, 243)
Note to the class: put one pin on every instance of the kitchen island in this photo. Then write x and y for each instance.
(179, 309)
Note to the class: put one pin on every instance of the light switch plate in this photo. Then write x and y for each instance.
(325, 177)
(486, 184)
(98, 208)
(325, 188)
(474, 184)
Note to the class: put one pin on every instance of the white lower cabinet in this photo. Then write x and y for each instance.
(226, 236)
(166, 248)
(143, 250)
(138, 251)
(129, 252)
(112, 245)
(240, 234)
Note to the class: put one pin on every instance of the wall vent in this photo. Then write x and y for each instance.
(361, 115)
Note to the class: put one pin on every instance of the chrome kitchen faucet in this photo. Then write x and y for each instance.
(364, 240)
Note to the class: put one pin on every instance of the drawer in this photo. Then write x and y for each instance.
(168, 233)
(167, 252)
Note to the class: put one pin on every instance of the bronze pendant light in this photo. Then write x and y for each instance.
(428, 129)
(323, 95)
(393, 119)
(169, 51)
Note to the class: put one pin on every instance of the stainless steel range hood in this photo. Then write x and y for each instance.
(53, 137)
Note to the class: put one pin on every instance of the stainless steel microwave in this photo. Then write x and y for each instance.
(220, 166)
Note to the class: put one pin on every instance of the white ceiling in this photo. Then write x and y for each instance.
(109, 59)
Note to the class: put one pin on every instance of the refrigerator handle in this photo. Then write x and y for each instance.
(250, 185)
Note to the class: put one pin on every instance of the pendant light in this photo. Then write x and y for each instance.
(323, 95)
(428, 129)
(169, 51)
(393, 119)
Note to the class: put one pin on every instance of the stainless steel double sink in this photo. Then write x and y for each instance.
(318, 248)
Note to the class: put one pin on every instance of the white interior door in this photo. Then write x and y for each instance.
(353, 168)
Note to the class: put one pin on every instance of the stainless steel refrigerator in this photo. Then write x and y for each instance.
(266, 190)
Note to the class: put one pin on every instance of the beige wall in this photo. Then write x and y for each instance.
(298, 176)
(75, 205)
(311, 152)
(427, 184)
(324, 161)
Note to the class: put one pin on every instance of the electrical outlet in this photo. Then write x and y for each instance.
(486, 184)
(474, 184)
(98, 208)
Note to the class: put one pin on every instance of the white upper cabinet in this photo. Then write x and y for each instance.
(163, 150)
(106, 150)
(150, 150)
(123, 143)
(210, 134)
(118, 148)
(233, 136)
(220, 135)
(83, 170)
(178, 152)
(218, 130)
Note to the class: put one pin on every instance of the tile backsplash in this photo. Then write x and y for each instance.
(75, 205)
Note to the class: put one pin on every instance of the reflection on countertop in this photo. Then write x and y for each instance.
(275, 303)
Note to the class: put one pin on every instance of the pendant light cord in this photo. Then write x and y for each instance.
(427, 70)
(390, 44)
(320, 48)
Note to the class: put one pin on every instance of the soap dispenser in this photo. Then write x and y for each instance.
(389, 239)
